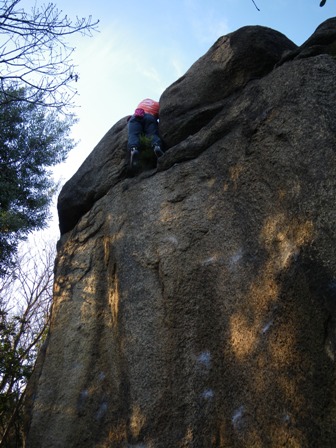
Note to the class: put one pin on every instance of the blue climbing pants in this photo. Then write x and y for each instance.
(146, 125)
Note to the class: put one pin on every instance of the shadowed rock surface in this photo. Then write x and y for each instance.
(194, 305)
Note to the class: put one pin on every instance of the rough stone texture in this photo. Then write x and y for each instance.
(194, 305)
(234, 60)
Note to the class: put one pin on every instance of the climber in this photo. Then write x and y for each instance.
(144, 121)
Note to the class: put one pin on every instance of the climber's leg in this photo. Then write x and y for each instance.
(151, 130)
(135, 129)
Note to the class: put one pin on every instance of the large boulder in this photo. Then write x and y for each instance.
(194, 305)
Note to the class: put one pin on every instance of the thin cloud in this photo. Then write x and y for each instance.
(178, 67)
(207, 27)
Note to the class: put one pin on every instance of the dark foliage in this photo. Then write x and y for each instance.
(32, 139)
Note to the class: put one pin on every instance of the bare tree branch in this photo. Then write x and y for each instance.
(35, 52)
(255, 5)
(322, 3)
(25, 302)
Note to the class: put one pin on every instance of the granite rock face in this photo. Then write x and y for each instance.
(195, 304)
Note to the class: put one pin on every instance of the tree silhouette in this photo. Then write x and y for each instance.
(34, 51)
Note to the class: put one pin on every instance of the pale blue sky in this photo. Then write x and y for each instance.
(144, 46)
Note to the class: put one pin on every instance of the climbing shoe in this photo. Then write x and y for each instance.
(158, 151)
(135, 156)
